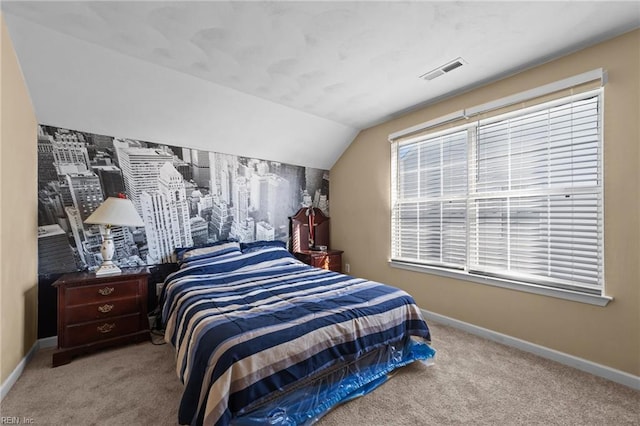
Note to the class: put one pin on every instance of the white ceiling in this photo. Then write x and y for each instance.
(330, 67)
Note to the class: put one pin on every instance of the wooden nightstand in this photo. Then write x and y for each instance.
(329, 259)
(98, 312)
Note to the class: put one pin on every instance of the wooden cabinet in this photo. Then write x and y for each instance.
(329, 259)
(98, 312)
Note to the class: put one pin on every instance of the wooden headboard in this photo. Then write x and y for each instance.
(299, 231)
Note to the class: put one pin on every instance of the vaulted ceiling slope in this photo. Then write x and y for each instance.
(287, 81)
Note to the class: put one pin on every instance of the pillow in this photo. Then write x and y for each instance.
(255, 245)
(210, 251)
(180, 251)
(254, 258)
(207, 260)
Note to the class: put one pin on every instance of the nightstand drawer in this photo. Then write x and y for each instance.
(329, 259)
(325, 260)
(101, 292)
(81, 334)
(104, 309)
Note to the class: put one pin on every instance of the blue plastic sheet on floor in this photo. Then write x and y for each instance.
(305, 406)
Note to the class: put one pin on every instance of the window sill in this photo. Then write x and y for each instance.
(573, 296)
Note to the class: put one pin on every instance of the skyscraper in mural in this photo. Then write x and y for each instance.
(243, 228)
(86, 192)
(46, 161)
(110, 179)
(165, 213)
(54, 252)
(141, 170)
(70, 153)
(200, 163)
(173, 187)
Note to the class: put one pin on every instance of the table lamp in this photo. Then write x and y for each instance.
(112, 212)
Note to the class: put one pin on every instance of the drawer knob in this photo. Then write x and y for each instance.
(106, 327)
(105, 308)
(106, 291)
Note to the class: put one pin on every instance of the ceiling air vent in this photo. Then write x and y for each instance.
(442, 70)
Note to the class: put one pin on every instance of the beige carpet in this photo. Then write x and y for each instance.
(474, 381)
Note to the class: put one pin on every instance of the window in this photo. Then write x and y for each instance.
(516, 197)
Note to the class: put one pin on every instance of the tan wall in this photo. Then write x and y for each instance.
(360, 185)
(18, 214)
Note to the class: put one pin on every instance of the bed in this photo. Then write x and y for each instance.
(262, 338)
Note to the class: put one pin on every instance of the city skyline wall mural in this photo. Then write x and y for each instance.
(185, 197)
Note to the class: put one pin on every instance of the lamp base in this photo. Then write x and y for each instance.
(107, 269)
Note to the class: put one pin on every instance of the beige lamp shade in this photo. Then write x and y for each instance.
(115, 212)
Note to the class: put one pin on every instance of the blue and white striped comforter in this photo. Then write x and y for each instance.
(246, 325)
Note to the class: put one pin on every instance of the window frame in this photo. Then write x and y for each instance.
(573, 294)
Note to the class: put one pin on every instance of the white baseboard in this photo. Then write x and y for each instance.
(17, 372)
(582, 364)
(47, 342)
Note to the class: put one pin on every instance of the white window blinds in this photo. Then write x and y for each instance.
(431, 203)
(518, 196)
